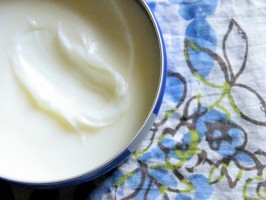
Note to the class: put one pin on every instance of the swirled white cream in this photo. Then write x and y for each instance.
(77, 81)
(61, 74)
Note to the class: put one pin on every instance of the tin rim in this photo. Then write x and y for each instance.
(120, 157)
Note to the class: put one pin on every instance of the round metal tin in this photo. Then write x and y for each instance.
(132, 146)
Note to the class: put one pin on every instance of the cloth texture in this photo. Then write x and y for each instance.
(208, 141)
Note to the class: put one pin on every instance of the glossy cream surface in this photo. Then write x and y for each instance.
(77, 81)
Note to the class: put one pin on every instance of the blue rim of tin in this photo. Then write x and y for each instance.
(127, 151)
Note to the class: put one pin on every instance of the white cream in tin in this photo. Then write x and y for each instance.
(77, 79)
(68, 77)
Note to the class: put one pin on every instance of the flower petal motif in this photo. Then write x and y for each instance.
(211, 116)
(223, 135)
(202, 188)
(245, 160)
(182, 197)
(174, 89)
(226, 149)
(163, 176)
(237, 136)
(235, 49)
(201, 33)
(149, 191)
(198, 8)
(255, 112)
(152, 5)
(155, 154)
(168, 143)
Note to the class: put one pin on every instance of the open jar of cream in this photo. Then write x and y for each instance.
(81, 84)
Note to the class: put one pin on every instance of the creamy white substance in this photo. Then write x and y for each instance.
(77, 80)
(41, 56)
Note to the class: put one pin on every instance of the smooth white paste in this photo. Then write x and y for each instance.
(77, 81)
(41, 75)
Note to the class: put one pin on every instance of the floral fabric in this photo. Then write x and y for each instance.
(209, 139)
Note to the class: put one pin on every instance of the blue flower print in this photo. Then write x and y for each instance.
(180, 150)
(152, 5)
(225, 139)
(183, 197)
(224, 136)
(200, 32)
(202, 188)
(198, 8)
(210, 117)
(154, 154)
(175, 88)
